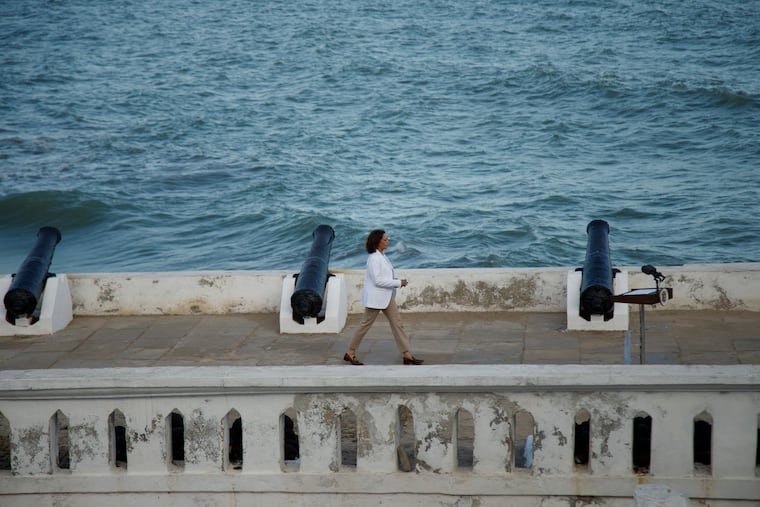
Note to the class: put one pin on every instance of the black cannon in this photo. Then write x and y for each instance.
(29, 281)
(311, 282)
(596, 283)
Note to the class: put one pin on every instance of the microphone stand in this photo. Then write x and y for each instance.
(658, 277)
(643, 297)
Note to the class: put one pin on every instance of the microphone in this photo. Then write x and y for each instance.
(652, 271)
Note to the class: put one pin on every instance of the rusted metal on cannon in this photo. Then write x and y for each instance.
(28, 283)
(311, 281)
(597, 280)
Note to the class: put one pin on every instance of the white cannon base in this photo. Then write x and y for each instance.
(55, 314)
(619, 321)
(335, 305)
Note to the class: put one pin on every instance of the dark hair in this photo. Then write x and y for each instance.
(373, 240)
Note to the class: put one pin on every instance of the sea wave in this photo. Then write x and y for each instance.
(70, 210)
(192, 135)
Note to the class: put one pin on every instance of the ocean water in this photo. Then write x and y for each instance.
(195, 135)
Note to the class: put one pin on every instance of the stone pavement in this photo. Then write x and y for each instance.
(672, 337)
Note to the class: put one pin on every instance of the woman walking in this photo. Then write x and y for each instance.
(379, 295)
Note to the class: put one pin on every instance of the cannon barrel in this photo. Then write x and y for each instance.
(596, 283)
(29, 281)
(309, 291)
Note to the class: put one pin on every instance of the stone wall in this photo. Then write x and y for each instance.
(726, 287)
(524, 435)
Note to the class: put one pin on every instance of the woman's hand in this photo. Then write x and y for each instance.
(404, 282)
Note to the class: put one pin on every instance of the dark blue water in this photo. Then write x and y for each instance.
(192, 135)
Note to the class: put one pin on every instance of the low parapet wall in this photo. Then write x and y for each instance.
(523, 435)
(725, 287)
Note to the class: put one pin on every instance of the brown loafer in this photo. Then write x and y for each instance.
(413, 360)
(352, 360)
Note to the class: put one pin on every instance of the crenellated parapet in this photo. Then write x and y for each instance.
(289, 435)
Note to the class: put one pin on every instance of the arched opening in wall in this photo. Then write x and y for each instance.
(642, 443)
(233, 441)
(5, 443)
(291, 449)
(175, 429)
(406, 449)
(465, 439)
(117, 431)
(757, 448)
(524, 435)
(59, 441)
(582, 440)
(703, 443)
(348, 439)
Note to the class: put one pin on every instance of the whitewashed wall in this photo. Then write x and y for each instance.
(727, 287)
(493, 394)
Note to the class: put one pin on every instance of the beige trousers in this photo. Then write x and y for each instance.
(394, 318)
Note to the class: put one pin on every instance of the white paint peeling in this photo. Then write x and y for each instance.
(551, 395)
(696, 287)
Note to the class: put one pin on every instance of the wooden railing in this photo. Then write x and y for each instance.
(428, 435)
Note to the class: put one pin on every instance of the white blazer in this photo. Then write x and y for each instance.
(379, 282)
